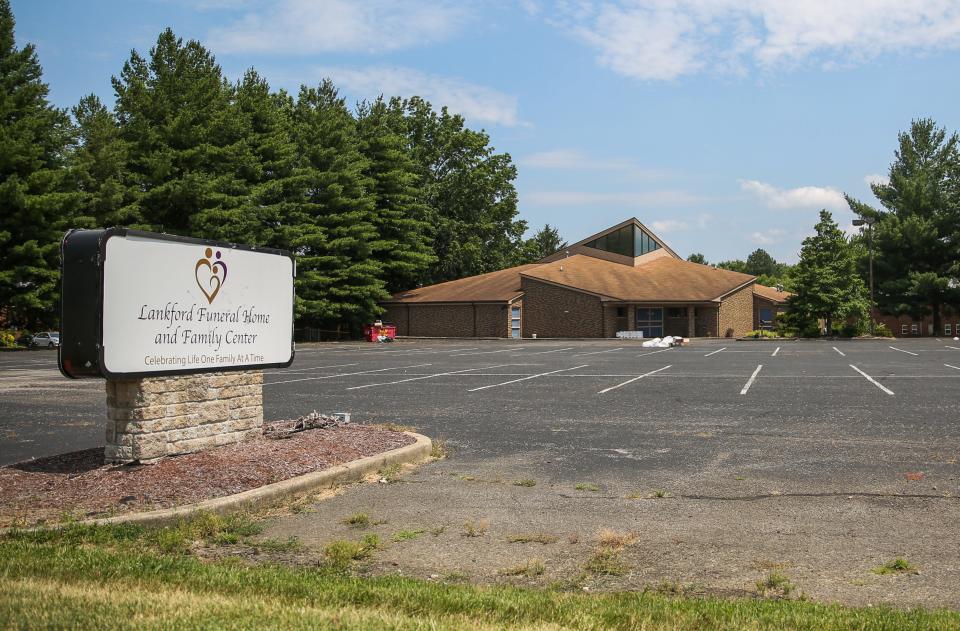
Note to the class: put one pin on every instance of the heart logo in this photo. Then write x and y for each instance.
(210, 277)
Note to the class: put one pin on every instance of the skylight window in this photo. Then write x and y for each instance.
(627, 241)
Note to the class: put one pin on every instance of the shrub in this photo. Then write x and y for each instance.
(8, 339)
(882, 330)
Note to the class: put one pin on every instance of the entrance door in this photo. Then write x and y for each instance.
(650, 321)
(766, 319)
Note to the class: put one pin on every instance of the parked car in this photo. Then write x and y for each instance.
(46, 339)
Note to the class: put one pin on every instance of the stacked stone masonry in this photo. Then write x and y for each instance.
(154, 417)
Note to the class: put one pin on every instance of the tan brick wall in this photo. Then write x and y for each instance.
(398, 315)
(736, 313)
(552, 311)
(707, 323)
(427, 320)
(441, 320)
(154, 417)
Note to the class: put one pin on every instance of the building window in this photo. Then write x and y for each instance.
(650, 321)
(515, 322)
(622, 312)
(676, 312)
(947, 330)
(627, 241)
(904, 329)
(914, 329)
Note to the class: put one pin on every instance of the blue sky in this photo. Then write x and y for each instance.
(724, 125)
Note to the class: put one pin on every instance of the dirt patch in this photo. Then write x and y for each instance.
(80, 485)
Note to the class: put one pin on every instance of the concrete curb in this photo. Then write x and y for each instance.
(273, 494)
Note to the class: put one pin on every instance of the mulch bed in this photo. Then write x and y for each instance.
(80, 485)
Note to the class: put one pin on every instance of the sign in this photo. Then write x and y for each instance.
(171, 305)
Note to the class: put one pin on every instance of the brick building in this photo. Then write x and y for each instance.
(624, 278)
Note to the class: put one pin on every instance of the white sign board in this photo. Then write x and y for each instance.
(185, 306)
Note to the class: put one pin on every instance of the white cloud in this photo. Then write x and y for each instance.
(801, 197)
(474, 102)
(769, 237)
(875, 178)
(669, 225)
(573, 159)
(305, 27)
(666, 39)
(630, 199)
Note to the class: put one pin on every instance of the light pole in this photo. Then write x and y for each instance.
(868, 222)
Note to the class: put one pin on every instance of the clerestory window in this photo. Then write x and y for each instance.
(628, 241)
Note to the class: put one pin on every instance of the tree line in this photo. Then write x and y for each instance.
(376, 199)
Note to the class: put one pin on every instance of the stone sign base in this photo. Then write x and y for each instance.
(153, 417)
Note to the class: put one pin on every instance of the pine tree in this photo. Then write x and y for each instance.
(339, 281)
(825, 280)
(543, 243)
(266, 162)
(184, 138)
(403, 243)
(916, 237)
(98, 168)
(36, 201)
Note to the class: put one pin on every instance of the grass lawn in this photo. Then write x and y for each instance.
(131, 577)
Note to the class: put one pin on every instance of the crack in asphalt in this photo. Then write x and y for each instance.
(752, 498)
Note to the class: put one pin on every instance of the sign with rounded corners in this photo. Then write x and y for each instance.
(172, 305)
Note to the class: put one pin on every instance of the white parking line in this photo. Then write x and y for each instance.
(872, 380)
(662, 350)
(345, 374)
(951, 366)
(752, 377)
(620, 385)
(505, 350)
(611, 350)
(289, 370)
(542, 374)
(716, 351)
(842, 354)
(777, 350)
(556, 350)
(953, 347)
(439, 374)
(903, 351)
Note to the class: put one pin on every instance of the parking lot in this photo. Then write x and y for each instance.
(823, 458)
(800, 411)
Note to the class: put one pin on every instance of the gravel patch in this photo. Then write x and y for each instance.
(81, 486)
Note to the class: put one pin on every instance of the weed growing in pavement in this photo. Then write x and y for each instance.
(615, 539)
(896, 566)
(406, 535)
(532, 567)
(533, 537)
(586, 486)
(438, 448)
(776, 585)
(527, 483)
(436, 532)
(290, 544)
(659, 494)
(572, 583)
(390, 473)
(362, 520)
(478, 529)
(340, 554)
(605, 561)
